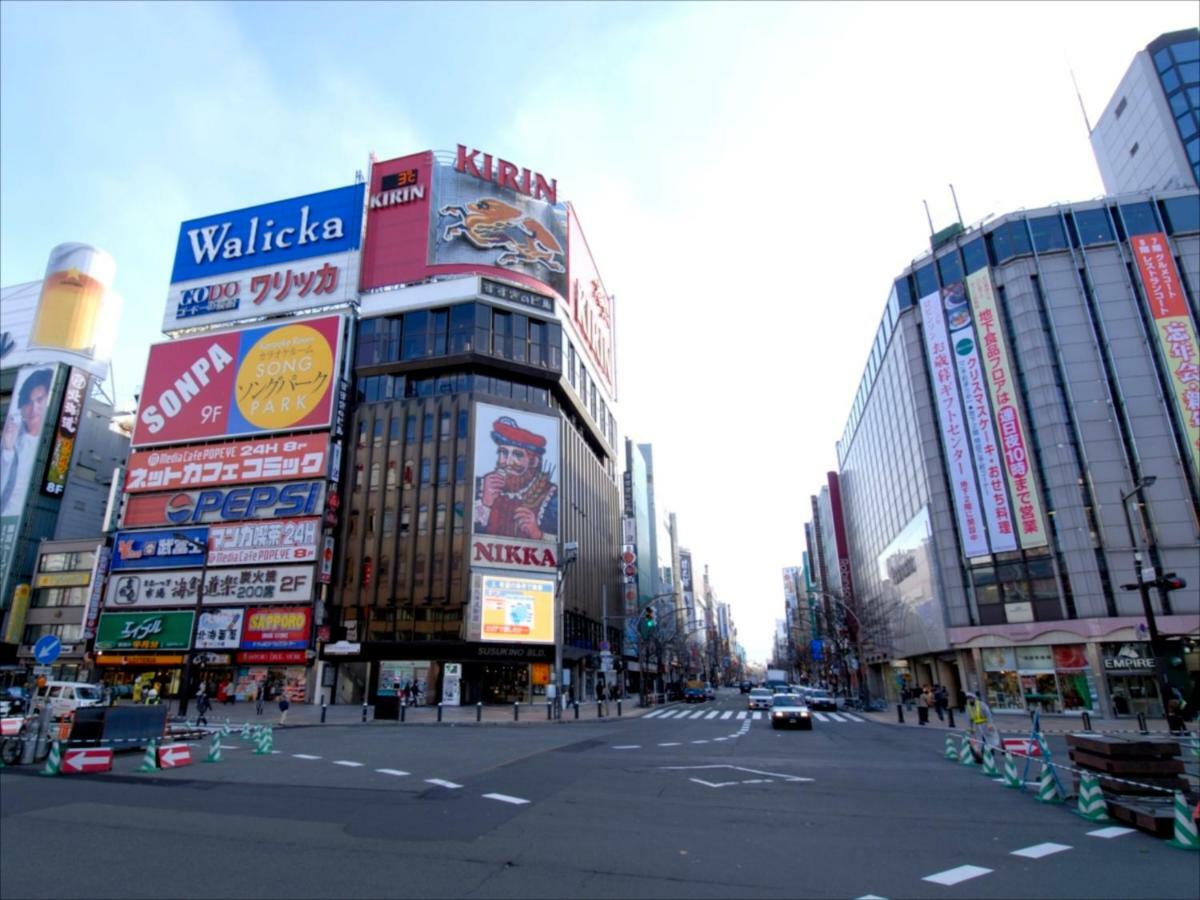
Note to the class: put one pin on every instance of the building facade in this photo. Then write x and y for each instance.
(1148, 137)
(1027, 378)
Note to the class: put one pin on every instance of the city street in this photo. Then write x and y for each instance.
(656, 805)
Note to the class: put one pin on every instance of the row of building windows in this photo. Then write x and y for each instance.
(80, 561)
(384, 388)
(63, 596)
(1178, 68)
(422, 334)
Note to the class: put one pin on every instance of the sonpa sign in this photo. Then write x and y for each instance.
(235, 504)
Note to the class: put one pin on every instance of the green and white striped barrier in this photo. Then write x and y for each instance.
(1091, 799)
(150, 758)
(214, 748)
(965, 756)
(951, 750)
(989, 763)
(53, 761)
(1011, 778)
(1185, 826)
(1047, 789)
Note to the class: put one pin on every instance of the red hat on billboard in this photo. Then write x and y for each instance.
(507, 431)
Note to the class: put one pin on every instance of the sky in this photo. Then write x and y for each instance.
(750, 179)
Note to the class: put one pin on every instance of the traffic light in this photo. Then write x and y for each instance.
(1169, 582)
(647, 624)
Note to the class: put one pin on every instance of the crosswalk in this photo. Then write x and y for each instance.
(679, 713)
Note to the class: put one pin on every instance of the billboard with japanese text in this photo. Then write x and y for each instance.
(235, 462)
(169, 548)
(956, 442)
(283, 257)
(266, 584)
(225, 504)
(220, 629)
(1174, 332)
(74, 397)
(511, 609)
(589, 308)
(277, 628)
(144, 631)
(262, 379)
(131, 590)
(272, 541)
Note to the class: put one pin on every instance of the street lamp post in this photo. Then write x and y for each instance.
(1143, 589)
(567, 555)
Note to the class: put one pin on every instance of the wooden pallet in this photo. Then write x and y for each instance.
(1145, 814)
(1117, 747)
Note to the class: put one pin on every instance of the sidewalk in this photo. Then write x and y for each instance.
(1022, 724)
(306, 714)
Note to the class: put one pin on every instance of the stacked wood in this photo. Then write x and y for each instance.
(1154, 766)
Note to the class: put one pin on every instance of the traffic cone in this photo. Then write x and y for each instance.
(965, 756)
(1047, 789)
(989, 763)
(246, 733)
(1011, 778)
(214, 748)
(270, 732)
(1091, 799)
(263, 748)
(150, 758)
(1185, 826)
(951, 752)
(53, 761)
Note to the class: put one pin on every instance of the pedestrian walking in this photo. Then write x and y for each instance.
(941, 701)
(260, 696)
(203, 705)
(983, 728)
(283, 707)
(924, 702)
(406, 693)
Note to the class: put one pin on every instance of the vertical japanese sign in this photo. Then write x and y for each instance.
(1010, 419)
(1175, 331)
(986, 451)
(68, 426)
(954, 436)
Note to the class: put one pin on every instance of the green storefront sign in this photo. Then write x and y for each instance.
(145, 631)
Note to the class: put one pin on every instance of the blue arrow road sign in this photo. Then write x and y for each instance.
(46, 650)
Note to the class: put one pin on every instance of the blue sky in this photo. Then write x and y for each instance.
(750, 179)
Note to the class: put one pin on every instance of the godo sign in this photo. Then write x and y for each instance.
(265, 379)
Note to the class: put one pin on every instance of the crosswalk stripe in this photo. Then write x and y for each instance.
(836, 717)
(697, 715)
(657, 712)
(713, 714)
(742, 714)
(852, 718)
(665, 714)
(727, 714)
(757, 715)
(820, 717)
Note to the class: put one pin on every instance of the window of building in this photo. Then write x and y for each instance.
(571, 363)
(520, 337)
(427, 427)
(1120, 108)
(81, 561)
(1008, 240)
(1139, 218)
(1186, 51)
(439, 328)
(410, 429)
(483, 328)
(460, 467)
(462, 327)
(389, 521)
(422, 518)
(1187, 125)
(1048, 233)
(416, 329)
(1189, 73)
(1093, 226)
(1182, 214)
(462, 423)
(68, 596)
(1170, 80)
(439, 519)
(443, 470)
(926, 280)
(426, 470)
(974, 255)
(502, 333)
(950, 268)
(391, 477)
(373, 484)
(409, 473)
(405, 519)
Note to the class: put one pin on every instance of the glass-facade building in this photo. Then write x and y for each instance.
(1025, 375)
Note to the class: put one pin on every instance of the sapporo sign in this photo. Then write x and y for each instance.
(145, 631)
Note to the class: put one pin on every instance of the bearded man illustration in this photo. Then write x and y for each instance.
(518, 498)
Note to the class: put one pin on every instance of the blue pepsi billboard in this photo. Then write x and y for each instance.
(166, 548)
(319, 224)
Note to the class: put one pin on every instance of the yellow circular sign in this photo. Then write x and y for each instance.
(284, 377)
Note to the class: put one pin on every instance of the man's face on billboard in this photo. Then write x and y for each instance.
(33, 413)
(518, 465)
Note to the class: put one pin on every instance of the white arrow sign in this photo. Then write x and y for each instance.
(770, 776)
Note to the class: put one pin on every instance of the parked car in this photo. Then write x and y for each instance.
(710, 692)
(13, 701)
(66, 696)
(789, 711)
(760, 698)
(822, 700)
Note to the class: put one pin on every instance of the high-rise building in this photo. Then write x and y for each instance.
(1028, 424)
(1148, 137)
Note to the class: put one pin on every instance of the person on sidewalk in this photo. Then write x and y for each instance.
(203, 705)
(260, 696)
(284, 704)
(941, 701)
(924, 702)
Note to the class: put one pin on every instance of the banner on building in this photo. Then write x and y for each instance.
(511, 609)
(515, 509)
(259, 380)
(238, 462)
(265, 584)
(1015, 444)
(167, 548)
(219, 629)
(271, 541)
(955, 441)
(277, 629)
(74, 397)
(129, 590)
(1174, 333)
(229, 504)
(145, 631)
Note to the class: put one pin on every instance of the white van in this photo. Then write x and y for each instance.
(66, 696)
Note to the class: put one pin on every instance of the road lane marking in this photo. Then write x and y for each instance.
(297, 755)
(757, 715)
(820, 717)
(1037, 851)
(697, 715)
(440, 783)
(700, 742)
(662, 714)
(670, 744)
(1110, 832)
(396, 772)
(727, 714)
(870, 897)
(720, 739)
(505, 798)
(713, 714)
(742, 714)
(851, 717)
(628, 747)
(956, 875)
(657, 712)
(836, 717)
(347, 762)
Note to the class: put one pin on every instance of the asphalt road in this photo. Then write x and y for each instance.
(644, 807)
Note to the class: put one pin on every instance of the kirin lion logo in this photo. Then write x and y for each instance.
(491, 224)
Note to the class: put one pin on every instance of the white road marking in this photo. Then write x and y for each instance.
(1111, 832)
(657, 712)
(1037, 851)
(276, 752)
(820, 717)
(666, 713)
(836, 717)
(721, 739)
(727, 714)
(440, 783)
(870, 897)
(347, 762)
(697, 715)
(628, 747)
(712, 784)
(852, 718)
(713, 714)
(742, 714)
(297, 755)
(397, 772)
(505, 798)
(757, 715)
(958, 874)
(700, 742)
(669, 744)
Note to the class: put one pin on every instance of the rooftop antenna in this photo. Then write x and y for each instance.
(1079, 95)
(928, 217)
(957, 211)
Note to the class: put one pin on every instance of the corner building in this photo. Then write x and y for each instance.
(483, 439)
(1026, 375)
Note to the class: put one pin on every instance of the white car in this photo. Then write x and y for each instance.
(66, 696)
(760, 698)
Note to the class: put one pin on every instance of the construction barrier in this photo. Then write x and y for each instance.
(1185, 826)
(1091, 799)
(1047, 788)
(951, 750)
(214, 748)
(989, 763)
(172, 756)
(78, 760)
(53, 761)
(150, 758)
(1011, 778)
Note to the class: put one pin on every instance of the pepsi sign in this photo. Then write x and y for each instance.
(225, 504)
